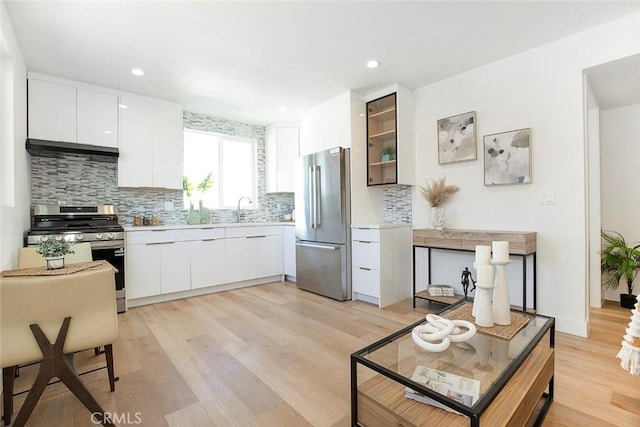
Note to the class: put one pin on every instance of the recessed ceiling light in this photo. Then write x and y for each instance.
(137, 72)
(122, 106)
(107, 132)
(372, 64)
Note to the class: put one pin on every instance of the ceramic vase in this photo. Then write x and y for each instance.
(437, 218)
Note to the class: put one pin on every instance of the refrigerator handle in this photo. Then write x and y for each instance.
(316, 184)
(312, 196)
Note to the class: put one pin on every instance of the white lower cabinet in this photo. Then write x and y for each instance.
(157, 268)
(254, 252)
(289, 250)
(208, 263)
(381, 263)
(142, 270)
(241, 259)
(269, 255)
(175, 268)
(165, 261)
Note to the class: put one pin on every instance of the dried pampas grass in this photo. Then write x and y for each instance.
(437, 192)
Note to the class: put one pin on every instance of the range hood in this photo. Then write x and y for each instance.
(36, 146)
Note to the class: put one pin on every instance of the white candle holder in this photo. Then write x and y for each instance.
(501, 302)
(482, 310)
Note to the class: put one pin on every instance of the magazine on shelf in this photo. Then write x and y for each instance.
(440, 290)
(461, 389)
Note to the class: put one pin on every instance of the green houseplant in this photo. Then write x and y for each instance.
(619, 260)
(54, 251)
(387, 153)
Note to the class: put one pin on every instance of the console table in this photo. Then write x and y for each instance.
(521, 243)
(516, 378)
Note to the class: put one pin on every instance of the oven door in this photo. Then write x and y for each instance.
(115, 257)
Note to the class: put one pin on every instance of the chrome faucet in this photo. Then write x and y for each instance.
(240, 200)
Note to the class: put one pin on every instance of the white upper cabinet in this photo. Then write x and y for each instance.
(150, 143)
(51, 111)
(168, 168)
(282, 151)
(60, 110)
(135, 167)
(97, 118)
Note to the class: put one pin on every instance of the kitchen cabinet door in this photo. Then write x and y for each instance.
(167, 145)
(282, 151)
(241, 259)
(208, 263)
(175, 267)
(135, 167)
(97, 118)
(289, 250)
(51, 111)
(269, 255)
(142, 271)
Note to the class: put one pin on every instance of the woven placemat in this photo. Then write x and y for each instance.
(42, 271)
(507, 332)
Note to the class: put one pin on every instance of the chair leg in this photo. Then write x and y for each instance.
(56, 364)
(108, 354)
(8, 376)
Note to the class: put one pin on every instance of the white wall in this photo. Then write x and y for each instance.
(594, 243)
(620, 163)
(15, 199)
(541, 89)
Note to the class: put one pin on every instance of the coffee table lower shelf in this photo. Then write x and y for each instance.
(523, 400)
(424, 295)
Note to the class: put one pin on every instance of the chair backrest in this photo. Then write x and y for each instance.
(28, 257)
(88, 297)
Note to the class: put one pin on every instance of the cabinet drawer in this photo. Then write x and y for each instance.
(261, 230)
(365, 254)
(366, 234)
(182, 235)
(366, 281)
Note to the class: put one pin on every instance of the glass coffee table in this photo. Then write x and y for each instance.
(488, 380)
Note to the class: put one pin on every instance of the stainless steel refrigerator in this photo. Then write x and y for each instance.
(323, 224)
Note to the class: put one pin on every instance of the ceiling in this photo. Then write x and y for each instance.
(249, 61)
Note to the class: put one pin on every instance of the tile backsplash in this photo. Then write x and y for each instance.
(90, 179)
(396, 204)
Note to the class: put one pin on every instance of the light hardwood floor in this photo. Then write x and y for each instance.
(273, 355)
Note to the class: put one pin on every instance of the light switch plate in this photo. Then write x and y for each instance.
(547, 198)
(168, 206)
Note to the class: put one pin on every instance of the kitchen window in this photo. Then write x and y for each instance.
(231, 161)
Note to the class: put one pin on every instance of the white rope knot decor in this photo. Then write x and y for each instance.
(439, 333)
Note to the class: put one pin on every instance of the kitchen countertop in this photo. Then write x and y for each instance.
(394, 225)
(205, 226)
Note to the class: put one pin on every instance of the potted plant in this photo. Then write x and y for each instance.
(54, 251)
(437, 193)
(203, 187)
(619, 260)
(387, 153)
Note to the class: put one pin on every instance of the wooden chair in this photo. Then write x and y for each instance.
(47, 319)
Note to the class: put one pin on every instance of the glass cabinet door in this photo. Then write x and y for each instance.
(382, 141)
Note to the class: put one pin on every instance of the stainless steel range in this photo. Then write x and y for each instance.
(96, 224)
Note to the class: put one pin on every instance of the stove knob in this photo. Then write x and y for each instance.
(99, 236)
(79, 237)
(59, 238)
(44, 238)
(69, 238)
(111, 236)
